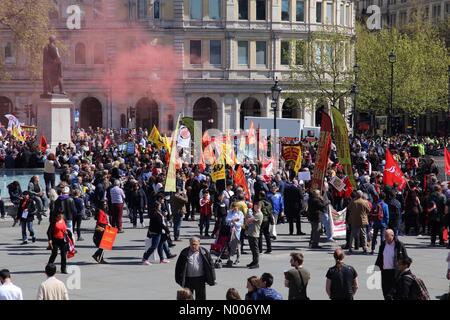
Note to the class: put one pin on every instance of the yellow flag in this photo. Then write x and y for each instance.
(218, 172)
(298, 162)
(166, 142)
(16, 134)
(155, 137)
(171, 171)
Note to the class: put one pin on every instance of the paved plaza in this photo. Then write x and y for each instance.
(125, 278)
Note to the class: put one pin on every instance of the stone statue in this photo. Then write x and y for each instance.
(52, 69)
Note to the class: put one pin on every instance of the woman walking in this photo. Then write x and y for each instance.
(102, 222)
(56, 234)
(154, 234)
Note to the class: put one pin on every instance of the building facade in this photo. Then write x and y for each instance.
(230, 52)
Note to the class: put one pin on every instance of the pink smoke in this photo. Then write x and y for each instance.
(148, 70)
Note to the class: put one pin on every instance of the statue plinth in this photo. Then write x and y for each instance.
(54, 119)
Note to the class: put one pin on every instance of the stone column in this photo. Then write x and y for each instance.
(221, 117)
(236, 112)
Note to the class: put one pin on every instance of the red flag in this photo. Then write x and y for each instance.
(43, 144)
(107, 143)
(267, 169)
(323, 153)
(239, 179)
(349, 187)
(447, 162)
(392, 173)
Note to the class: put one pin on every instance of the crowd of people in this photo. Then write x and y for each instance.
(101, 180)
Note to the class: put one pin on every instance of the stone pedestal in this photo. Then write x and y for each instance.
(54, 119)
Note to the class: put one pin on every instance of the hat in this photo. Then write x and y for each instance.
(66, 190)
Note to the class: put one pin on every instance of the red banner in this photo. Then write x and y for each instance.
(109, 236)
(323, 153)
(447, 162)
(239, 179)
(392, 173)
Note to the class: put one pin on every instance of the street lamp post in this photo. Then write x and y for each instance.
(354, 94)
(276, 91)
(392, 61)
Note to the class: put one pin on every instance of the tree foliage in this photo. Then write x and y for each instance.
(327, 70)
(28, 21)
(420, 70)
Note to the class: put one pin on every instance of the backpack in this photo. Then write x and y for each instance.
(377, 213)
(418, 289)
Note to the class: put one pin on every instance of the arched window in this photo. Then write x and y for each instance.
(8, 50)
(99, 54)
(80, 53)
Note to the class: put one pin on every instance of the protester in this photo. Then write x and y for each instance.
(232, 294)
(316, 205)
(265, 292)
(57, 233)
(102, 222)
(50, 166)
(254, 228)
(358, 211)
(205, 213)
(178, 205)
(9, 291)
(297, 278)
(194, 269)
(342, 279)
(78, 214)
(268, 220)
(154, 234)
(391, 251)
(252, 287)
(117, 203)
(235, 220)
(39, 197)
(407, 285)
(52, 288)
(25, 214)
(185, 294)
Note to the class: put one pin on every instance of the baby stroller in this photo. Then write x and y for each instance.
(221, 247)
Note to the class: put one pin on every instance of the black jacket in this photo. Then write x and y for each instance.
(400, 252)
(31, 207)
(402, 289)
(66, 206)
(315, 207)
(156, 224)
(208, 267)
(138, 199)
(293, 200)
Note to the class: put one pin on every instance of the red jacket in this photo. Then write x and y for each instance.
(102, 218)
(205, 207)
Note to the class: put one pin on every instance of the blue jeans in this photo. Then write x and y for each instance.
(156, 245)
(177, 218)
(376, 229)
(25, 225)
(325, 220)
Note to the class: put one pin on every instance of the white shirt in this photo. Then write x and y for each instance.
(9, 291)
(388, 256)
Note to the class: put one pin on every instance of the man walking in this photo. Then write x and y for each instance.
(8, 291)
(178, 205)
(391, 251)
(297, 278)
(254, 222)
(358, 211)
(117, 201)
(194, 269)
(52, 288)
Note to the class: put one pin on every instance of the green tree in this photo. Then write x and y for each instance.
(420, 70)
(325, 70)
(28, 21)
